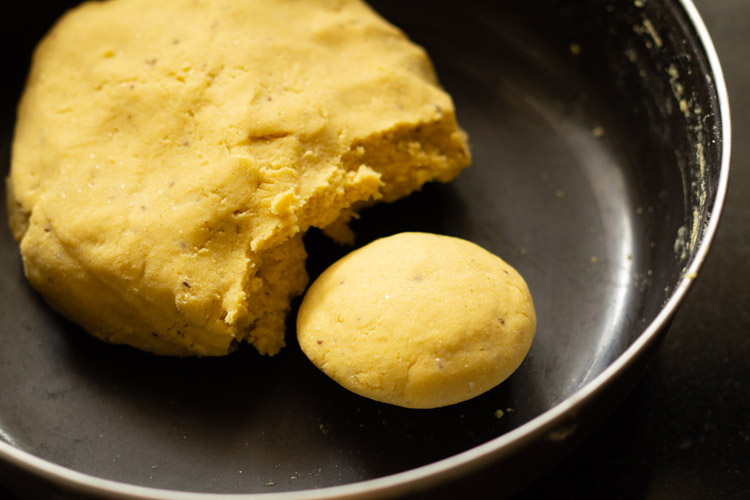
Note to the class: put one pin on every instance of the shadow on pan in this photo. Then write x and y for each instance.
(600, 140)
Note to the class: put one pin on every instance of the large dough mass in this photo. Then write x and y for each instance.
(169, 156)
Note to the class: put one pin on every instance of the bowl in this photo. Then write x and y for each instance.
(600, 133)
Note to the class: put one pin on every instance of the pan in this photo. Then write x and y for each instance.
(600, 135)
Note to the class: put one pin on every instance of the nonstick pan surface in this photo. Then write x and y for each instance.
(600, 136)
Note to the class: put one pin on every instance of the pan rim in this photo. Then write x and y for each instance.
(472, 459)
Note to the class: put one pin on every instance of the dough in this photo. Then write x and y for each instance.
(169, 156)
(418, 320)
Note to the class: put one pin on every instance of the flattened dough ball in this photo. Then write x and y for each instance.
(418, 320)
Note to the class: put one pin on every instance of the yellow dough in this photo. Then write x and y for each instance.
(418, 320)
(169, 156)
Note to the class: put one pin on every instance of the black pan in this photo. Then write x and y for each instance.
(600, 133)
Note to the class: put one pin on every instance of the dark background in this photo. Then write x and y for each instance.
(684, 432)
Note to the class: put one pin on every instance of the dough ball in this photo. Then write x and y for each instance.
(418, 320)
(169, 156)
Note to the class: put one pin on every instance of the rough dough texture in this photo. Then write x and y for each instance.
(418, 320)
(168, 157)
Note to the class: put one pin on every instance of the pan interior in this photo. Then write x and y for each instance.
(583, 179)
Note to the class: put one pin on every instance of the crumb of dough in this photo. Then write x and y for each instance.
(169, 156)
(418, 320)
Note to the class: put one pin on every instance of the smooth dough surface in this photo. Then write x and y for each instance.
(418, 320)
(168, 157)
